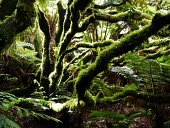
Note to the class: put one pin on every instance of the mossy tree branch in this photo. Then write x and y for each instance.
(129, 42)
(123, 16)
(70, 27)
(160, 42)
(64, 71)
(87, 45)
(158, 98)
(158, 54)
(44, 82)
(61, 17)
(18, 22)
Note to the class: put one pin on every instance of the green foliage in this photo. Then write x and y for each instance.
(24, 53)
(118, 120)
(167, 124)
(130, 87)
(151, 73)
(164, 59)
(127, 73)
(7, 101)
(25, 107)
(5, 122)
(100, 85)
(11, 79)
(43, 4)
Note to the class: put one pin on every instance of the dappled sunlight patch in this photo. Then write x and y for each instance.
(70, 104)
(73, 103)
(57, 107)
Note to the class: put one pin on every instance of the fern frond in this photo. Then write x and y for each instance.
(5, 122)
(7, 101)
(152, 73)
(24, 107)
(128, 73)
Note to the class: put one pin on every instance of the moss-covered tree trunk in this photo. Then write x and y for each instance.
(68, 30)
(45, 68)
(23, 18)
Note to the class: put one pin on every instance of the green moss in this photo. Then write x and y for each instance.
(43, 4)
(18, 22)
(99, 96)
(127, 43)
(60, 22)
(89, 99)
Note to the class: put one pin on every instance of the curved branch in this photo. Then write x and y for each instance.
(109, 4)
(158, 54)
(154, 98)
(129, 42)
(61, 15)
(160, 42)
(74, 59)
(87, 45)
(123, 16)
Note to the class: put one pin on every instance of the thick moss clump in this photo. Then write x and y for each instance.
(153, 98)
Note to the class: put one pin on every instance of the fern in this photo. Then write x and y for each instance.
(24, 107)
(24, 52)
(130, 87)
(145, 72)
(5, 122)
(164, 59)
(167, 124)
(25, 45)
(117, 119)
(128, 73)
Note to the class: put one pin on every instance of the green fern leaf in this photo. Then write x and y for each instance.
(7, 123)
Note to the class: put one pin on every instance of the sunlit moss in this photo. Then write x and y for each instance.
(99, 96)
(73, 103)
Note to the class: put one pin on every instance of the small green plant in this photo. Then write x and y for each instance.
(7, 123)
(22, 107)
(117, 120)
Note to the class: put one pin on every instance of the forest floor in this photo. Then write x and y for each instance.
(80, 118)
(83, 119)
